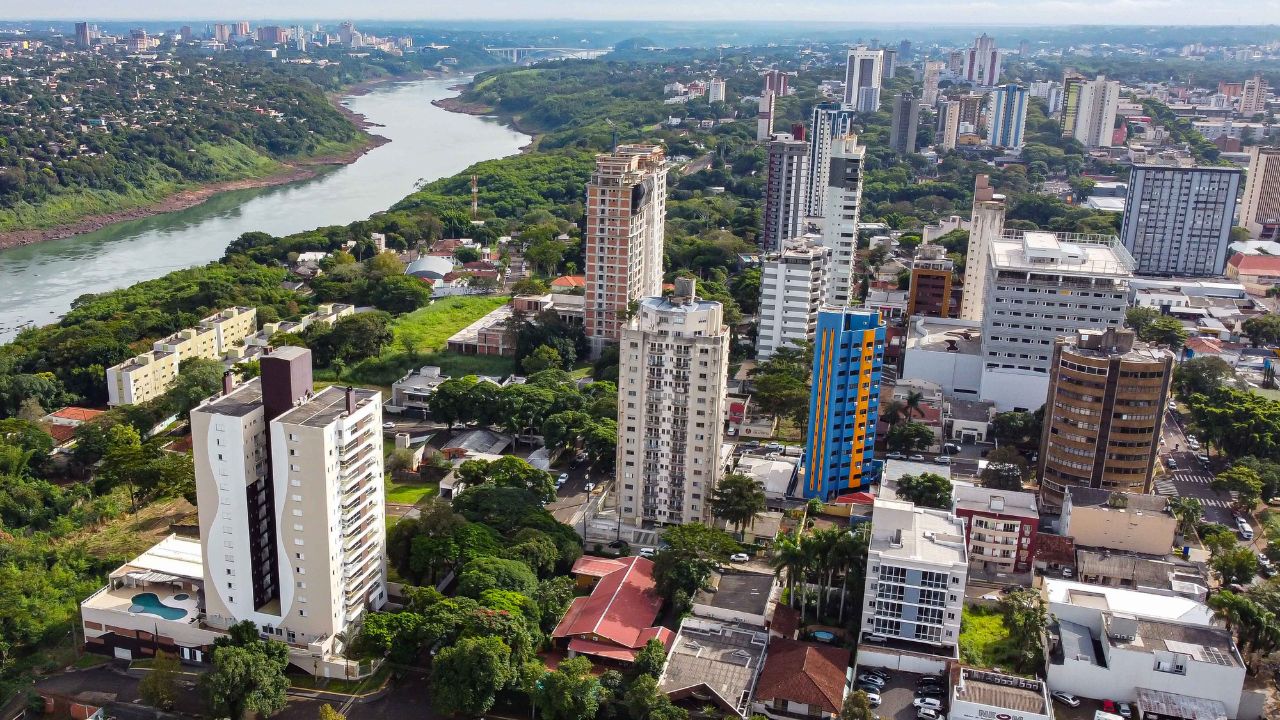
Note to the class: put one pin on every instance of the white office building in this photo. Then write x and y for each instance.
(862, 77)
(794, 284)
(673, 366)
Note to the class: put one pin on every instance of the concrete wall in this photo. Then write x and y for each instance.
(1145, 532)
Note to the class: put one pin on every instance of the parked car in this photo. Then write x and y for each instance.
(1068, 572)
(868, 687)
(916, 458)
(1204, 459)
(896, 456)
(942, 460)
(1109, 706)
(873, 679)
(873, 699)
(876, 638)
(928, 714)
(951, 448)
(739, 557)
(933, 703)
(775, 447)
(1124, 710)
(1171, 463)
(647, 552)
(564, 478)
(930, 691)
(929, 680)
(1066, 698)
(878, 672)
(388, 426)
(590, 487)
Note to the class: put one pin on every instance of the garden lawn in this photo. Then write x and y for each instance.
(427, 331)
(408, 492)
(984, 640)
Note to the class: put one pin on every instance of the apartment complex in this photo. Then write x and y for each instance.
(766, 105)
(289, 484)
(948, 127)
(982, 62)
(1093, 111)
(794, 284)
(1001, 527)
(1103, 413)
(715, 90)
(829, 122)
(932, 76)
(906, 116)
(840, 219)
(150, 375)
(786, 193)
(1007, 116)
(1041, 286)
(985, 227)
(844, 402)
(674, 361)
(1260, 206)
(917, 571)
(1253, 97)
(626, 215)
(932, 293)
(862, 77)
(1178, 220)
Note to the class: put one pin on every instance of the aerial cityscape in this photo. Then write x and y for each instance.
(562, 361)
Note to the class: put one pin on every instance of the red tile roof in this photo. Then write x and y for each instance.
(60, 433)
(1057, 549)
(785, 622)
(596, 566)
(1255, 264)
(856, 498)
(1204, 345)
(804, 673)
(569, 281)
(618, 614)
(77, 414)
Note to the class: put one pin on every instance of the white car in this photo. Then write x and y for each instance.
(388, 426)
(647, 552)
(590, 487)
(1125, 710)
(928, 714)
(564, 478)
(873, 699)
(896, 456)
(931, 703)
(943, 460)
(915, 458)
(739, 557)
(1066, 698)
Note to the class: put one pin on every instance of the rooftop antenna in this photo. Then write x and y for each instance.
(615, 133)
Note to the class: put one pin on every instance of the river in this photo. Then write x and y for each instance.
(38, 282)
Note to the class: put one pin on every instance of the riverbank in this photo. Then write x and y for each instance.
(458, 105)
(290, 171)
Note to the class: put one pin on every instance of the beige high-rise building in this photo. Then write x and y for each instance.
(948, 125)
(673, 366)
(289, 487)
(1260, 208)
(933, 70)
(715, 90)
(1253, 99)
(1094, 118)
(626, 212)
(1103, 414)
(986, 226)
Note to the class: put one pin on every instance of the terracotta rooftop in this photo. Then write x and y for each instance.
(786, 620)
(60, 433)
(77, 414)
(805, 673)
(596, 566)
(569, 281)
(1250, 264)
(616, 619)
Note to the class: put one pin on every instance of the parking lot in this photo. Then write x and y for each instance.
(897, 697)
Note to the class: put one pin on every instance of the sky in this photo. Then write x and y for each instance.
(1001, 12)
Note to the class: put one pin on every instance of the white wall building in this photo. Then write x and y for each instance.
(985, 226)
(862, 77)
(1095, 117)
(840, 219)
(674, 361)
(794, 284)
(984, 695)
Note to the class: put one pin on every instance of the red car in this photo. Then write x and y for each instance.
(1110, 706)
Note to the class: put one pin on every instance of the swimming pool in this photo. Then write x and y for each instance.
(149, 604)
(823, 636)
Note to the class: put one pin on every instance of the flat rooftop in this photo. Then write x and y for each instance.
(174, 555)
(1003, 691)
(1011, 502)
(1076, 642)
(955, 336)
(725, 661)
(1211, 645)
(1132, 602)
(738, 592)
(902, 530)
(1070, 253)
(1167, 704)
(326, 406)
(242, 400)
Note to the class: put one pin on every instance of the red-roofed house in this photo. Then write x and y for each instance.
(1258, 273)
(569, 282)
(616, 619)
(74, 415)
(802, 680)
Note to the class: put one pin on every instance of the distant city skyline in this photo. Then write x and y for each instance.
(1005, 12)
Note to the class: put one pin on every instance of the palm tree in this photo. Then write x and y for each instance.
(822, 548)
(788, 557)
(853, 549)
(1188, 511)
(893, 412)
(914, 398)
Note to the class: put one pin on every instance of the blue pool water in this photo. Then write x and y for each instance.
(149, 604)
(823, 636)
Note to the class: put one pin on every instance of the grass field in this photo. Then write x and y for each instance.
(130, 534)
(409, 493)
(428, 329)
(984, 640)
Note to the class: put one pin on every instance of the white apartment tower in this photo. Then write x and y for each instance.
(932, 75)
(840, 218)
(862, 79)
(626, 212)
(715, 91)
(917, 571)
(986, 225)
(1095, 116)
(794, 284)
(1253, 98)
(289, 487)
(673, 366)
(786, 194)
(829, 122)
(982, 62)
(764, 116)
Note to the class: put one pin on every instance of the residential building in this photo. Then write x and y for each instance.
(829, 123)
(982, 695)
(840, 219)
(82, 35)
(411, 394)
(1116, 520)
(1257, 273)
(986, 226)
(1130, 658)
(615, 621)
(906, 115)
(982, 62)
(862, 77)
(786, 193)
(1103, 414)
(794, 284)
(1253, 98)
(715, 90)
(1161, 574)
(1094, 118)
(674, 360)
(1051, 92)
(290, 498)
(1072, 85)
(1006, 116)
(917, 571)
(1000, 526)
(932, 75)
(802, 680)
(1178, 220)
(626, 216)
(714, 661)
(971, 109)
(150, 375)
(1039, 287)
(766, 104)
(948, 125)
(932, 292)
(325, 313)
(1260, 206)
(843, 402)
(889, 63)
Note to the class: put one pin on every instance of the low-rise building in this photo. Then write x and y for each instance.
(1147, 573)
(1258, 273)
(802, 680)
(1119, 521)
(615, 621)
(1000, 526)
(984, 695)
(411, 394)
(714, 661)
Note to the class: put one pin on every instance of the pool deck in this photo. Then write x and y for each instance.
(121, 600)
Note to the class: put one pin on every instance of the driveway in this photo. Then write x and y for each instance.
(897, 697)
(571, 498)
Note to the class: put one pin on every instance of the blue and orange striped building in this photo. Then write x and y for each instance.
(844, 404)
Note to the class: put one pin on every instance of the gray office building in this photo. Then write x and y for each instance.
(1178, 220)
(906, 117)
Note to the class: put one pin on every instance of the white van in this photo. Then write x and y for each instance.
(1246, 531)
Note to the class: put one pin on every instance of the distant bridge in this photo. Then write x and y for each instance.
(524, 55)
